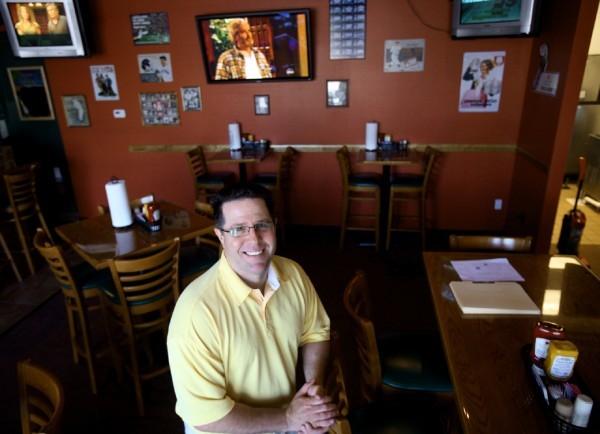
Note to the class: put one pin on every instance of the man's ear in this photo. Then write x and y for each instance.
(219, 235)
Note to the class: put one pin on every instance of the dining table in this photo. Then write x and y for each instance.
(240, 157)
(488, 355)
(97, 241)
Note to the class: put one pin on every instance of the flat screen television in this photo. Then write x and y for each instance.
(49, 29)
(256, 46)
(487, 18)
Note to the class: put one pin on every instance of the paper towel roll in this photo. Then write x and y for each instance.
(118, 203)
(371, 136)
(125, 240)
(235, 140)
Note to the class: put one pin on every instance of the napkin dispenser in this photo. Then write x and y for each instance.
(118, 203)
(249, 143)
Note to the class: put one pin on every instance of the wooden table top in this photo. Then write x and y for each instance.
(390, 158)
(245, 156)
(96, 241)
(492, 386)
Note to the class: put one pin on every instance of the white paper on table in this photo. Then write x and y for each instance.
(487, 270)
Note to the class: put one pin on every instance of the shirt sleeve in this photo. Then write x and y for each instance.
(316, 325)
(197, 372)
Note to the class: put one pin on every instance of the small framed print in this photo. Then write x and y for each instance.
(261, 105)
(76, 112)
(150, 28)
(191, 99)
(30, 90)
(337, 93)
(159, 108)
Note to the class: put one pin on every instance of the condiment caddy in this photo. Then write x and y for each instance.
(147, 214)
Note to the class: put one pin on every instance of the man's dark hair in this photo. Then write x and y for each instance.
(237, 192)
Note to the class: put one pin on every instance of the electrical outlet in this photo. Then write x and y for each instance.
(119, 113)
(497, 204)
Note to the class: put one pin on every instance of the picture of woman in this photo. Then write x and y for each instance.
(27, 24)
(481, 82)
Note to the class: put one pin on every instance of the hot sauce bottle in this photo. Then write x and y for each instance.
(543, 333)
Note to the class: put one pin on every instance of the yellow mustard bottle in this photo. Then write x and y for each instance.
(561, 359)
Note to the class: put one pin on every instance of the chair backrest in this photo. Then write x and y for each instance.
(335, 384)
(41, 399)
(357, 304)
(343, 157)
(284, 170)
(21, 190)
(489, 242)
(204, 209)
(53, 255)
(147, 285)
(197, 162)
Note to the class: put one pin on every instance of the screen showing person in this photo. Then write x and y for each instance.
(266, 46)
(38, 24)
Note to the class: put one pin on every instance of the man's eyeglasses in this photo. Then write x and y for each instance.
(239, 231)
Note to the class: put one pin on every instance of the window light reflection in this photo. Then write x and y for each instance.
(559, 262)
(551, 304)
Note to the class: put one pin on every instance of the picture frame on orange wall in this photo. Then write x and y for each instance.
(76, 112)
(261, 105)
(30, 90)
(337, 93)
(159, 108)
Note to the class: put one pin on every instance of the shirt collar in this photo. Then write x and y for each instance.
(239, 289)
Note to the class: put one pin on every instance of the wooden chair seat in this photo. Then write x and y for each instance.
(41, 399)
(147, 287)
(267, 180)
(358, 190)
(412, 362)
(490, 242)
(82, 288)
(222, 178)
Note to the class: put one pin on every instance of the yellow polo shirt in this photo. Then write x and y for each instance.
(228, 343)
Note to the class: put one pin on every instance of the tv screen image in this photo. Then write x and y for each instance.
(51, 29)
(480, 18)
(257, 46)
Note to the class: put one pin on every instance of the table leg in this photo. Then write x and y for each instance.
(385, 205)
(243, 174)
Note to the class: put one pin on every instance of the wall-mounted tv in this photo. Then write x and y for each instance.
(488, 18)
(256, 46)
(49, 29)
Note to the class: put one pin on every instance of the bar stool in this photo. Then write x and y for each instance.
(206, 183)
(41, 399)
(411, 188)
(23, 205)
(279, 184)
(82, 288)
(356, 188)
(9, 258)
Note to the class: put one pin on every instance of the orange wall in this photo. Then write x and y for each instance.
(419, 106)
(548, 121)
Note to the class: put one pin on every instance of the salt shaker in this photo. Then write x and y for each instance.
(582, 410)
(564, 408)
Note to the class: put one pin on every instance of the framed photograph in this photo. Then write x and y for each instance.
(159, 108)
(155, 68)
(76, 112)
(261, 105)
(30, 90)
(191, 99)
(337, 93)
(150, 28)
(404, 55)
(104, 81)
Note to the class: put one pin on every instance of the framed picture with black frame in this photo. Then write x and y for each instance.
(337, 93)
(262, 106)
(31, 93)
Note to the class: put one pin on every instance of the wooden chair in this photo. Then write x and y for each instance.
(489, 242)
(82, 288)
(147, 287)
(9, 258)
(356, 188)
(24, 206)
(41, 399)
(336, 388)
(279, 184)
(412, 362)
(206, 183)
(411, 189)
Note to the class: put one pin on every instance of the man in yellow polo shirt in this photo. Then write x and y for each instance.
(235, 333)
